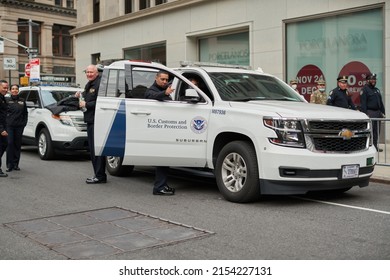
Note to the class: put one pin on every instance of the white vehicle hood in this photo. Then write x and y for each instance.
(300, 110)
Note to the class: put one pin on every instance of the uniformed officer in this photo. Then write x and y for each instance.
(372, 105)
(3, 122)
(16, 121)
(339, 96)
(319, 96)
(294, 84)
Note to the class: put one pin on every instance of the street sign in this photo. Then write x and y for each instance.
(35, 70)
(9, 63)
(27, 68)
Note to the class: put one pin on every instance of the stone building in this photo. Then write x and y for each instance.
(50, 22)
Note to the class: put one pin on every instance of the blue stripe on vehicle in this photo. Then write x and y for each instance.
(116, 140)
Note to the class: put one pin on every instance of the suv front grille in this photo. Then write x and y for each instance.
(79, 123)
(337, 136)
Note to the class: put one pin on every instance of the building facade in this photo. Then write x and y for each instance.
(44, 26)
(287, 38)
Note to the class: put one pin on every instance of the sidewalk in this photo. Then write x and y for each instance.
(381, 174)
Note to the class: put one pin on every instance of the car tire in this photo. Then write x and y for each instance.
(45, 145)
(115, 168)
(237, 173)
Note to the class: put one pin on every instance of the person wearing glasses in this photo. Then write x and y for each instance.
(339, 96)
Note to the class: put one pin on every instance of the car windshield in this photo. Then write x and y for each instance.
(247, 87)
(51, 96)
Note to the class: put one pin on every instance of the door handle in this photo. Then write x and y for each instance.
(140, 113)
(108, 108)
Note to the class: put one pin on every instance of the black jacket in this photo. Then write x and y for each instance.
(340, 98)
(16, 112)
(371, 99)
(156, 92)
(3, 113)
(90, 94)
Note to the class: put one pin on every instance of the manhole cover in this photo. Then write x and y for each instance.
(96, 233)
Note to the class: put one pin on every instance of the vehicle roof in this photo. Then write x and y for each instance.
(50, 88)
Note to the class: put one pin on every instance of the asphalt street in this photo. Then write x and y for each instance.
(352, 226)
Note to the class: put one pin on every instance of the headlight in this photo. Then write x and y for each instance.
(65, 120)
(289, 132)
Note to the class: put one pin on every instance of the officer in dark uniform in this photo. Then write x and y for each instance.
(3, 122)
(88, 105)
(372, 105)
(161, 90)
(16, 121)
(339, 96)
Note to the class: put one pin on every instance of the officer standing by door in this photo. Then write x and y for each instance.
(372, 105)
(339, 96)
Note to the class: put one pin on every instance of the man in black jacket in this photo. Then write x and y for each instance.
(161, 90)
(339, 96)
(372, 105)
(89, 104)
(3, 121)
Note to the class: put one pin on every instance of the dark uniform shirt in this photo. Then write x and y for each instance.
(3, 113)
(157, 92)
(371, 99)
(17, 111)
(340, 98)
(90, 95)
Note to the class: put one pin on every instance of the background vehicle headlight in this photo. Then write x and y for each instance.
(289, 132)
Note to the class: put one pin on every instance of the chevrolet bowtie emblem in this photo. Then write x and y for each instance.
(346, 134)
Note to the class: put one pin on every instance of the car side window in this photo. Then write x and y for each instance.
(112, 84)
(33, 97)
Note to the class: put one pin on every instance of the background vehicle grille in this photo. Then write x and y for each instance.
(79, 123)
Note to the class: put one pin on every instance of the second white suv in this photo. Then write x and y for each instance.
(62, 130)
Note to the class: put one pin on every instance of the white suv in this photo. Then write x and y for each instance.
(63, 130)
(255, 132)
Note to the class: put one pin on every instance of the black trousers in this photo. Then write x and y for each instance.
(14, 146)
(3, 146)
(376, 125)
(161, 177)
(98, 163)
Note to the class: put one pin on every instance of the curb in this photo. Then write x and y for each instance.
(380, 180)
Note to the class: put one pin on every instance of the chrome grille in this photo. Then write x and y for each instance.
(326, 136)
(78, 122)
(326, 125)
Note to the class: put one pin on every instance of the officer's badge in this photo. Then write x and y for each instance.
(92, 91)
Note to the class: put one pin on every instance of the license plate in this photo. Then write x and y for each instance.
(350, 171)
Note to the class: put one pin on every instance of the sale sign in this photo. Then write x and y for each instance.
(356, 72)
(307, 79)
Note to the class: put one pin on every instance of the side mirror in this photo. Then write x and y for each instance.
(31, 104)
(191, 96)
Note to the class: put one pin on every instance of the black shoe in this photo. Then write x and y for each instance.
(16, 168)
(165, 191)
(9, 169)
(2, 174)
(95, 180)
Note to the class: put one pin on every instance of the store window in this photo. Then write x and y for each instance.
(62, 40)
(156, 53)
(348, 44)
(226, 49)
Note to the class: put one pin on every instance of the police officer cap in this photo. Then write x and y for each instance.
(321, 82)
(293, 81)
(371, 76)
(342, 79)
